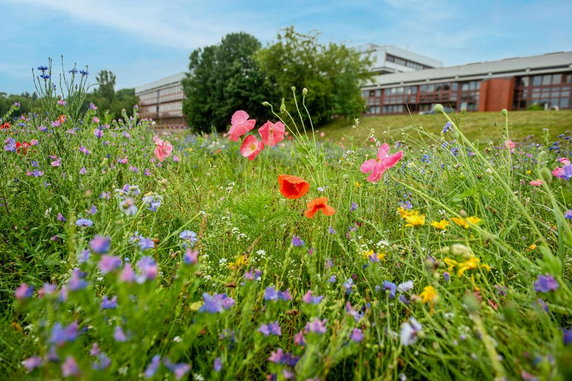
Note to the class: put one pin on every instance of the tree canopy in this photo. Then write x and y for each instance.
(224, 78)
(332, 73)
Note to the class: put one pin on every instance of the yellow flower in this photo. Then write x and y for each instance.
(441, 225)
(451, 263)
(429, 295)
(415, 220)
(473, 220)
(528, 172)
(241, 261)
(461, 222)
(404, 212)
(196, 305)
(531, 247)
(366, 254)
(469, 264)
(357, 184)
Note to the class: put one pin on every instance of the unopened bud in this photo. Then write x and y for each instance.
(304, 91)
(504, 112)
(438, 108)
(266, 104)
(293, 88)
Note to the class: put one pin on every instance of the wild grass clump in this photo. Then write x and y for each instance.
(127, 255)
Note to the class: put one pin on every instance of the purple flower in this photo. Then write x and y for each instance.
(280, 357)
(32, 363)
(297, 241)
(100, 244)
(311, 299)
(348, 285)
(188, 235)
(217, 364)
(83, 171)
(316, 326)
(403, 299)
(567, 336)
(128, 206)
(153, 366)
(357, 335)
(331, 230)
(98, 133)
(353, 313)
(35, 173)
(127, 274)
(47, 289)
(76, 282)
(190, 257)
(353, 207)
(108, 263)
(180, 370)
(568, 214)
(148, 268)
(70, 367)
(566, 172)
(84, 150)
(119, 334)
(333, 279)
(102, 362)
(446, 276)
(83, 256)
(405, 286)
(545, 283)
(61, 334)
(153, 202)
(253, 274)
(84, 222)
(61, 217)
(299, 338)
(446, 127)
(410, 331)
(10, 145)
(24, 291)
(216, 303)
(142, 242)
(270, 329)
(389, 286)
(92, 107)
(270, 293)
(57, 162)
(92, 210)
(108, 303)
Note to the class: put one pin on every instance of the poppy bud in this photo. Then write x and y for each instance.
(283, 107)
(546, 175)
(504, 112)
(438, 108)
(304, 91)
(266, 104)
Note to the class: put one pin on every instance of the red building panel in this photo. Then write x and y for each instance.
(496, 94)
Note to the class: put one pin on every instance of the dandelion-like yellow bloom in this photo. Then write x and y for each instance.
(469, 264)
(404, 212)
(241, 261)
(429, 295)
(415, 220)
(531, 247)
(473, 220)
(357, 184)
(451, 263)
(441, 225)
(461, 222)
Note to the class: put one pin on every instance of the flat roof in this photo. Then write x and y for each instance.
(549, 62)
(172, 79)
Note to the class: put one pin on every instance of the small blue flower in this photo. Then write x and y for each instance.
(84, 222)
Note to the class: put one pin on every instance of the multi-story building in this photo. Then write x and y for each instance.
(162, 101)
(406, 82)
(513, 83)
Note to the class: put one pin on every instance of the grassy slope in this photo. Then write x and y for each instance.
(476, 125)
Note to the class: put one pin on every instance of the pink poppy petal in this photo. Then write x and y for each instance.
(238, 117)
(390, 161)
(383, 151)
(368, 166)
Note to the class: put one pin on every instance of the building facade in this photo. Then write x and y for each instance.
(162, 101)
(514, 84)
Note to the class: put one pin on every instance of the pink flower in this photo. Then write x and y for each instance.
(272, 133)
(378, 166)
(510, 145)
(564, 161)
(240, 125)
(251, 147)
(162, 149)
(536, 183)
(558, 172)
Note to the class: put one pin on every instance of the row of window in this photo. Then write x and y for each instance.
(405, 62)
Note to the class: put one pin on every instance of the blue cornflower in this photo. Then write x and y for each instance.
(76, 281)
(102, 362)
(568, 214)
(73, 71)
(153, 201)
(348, 285)
(545, 283)
(100, 244)
(42, 68)
(83, 72)
(353, 206)
(389, 286)
(84, 222)
(153, 366)
(309, 298)
(446, 127)
(45, 77)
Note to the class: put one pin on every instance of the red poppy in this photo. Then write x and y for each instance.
(293, 186)
(320, 203)
(4, 126)
(22, 147)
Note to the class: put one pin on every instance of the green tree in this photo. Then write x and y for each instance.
(107, 99)
(224, 78)
(332, 73)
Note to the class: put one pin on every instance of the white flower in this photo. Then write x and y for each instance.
(409, 331)
(405, 286)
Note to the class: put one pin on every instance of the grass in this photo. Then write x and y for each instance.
(175, 270)
(484, 126)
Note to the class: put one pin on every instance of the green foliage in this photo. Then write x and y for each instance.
(224, 78)
(332, 73)
(106, 98)
(535, 107)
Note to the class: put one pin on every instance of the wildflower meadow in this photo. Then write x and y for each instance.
(271, 252)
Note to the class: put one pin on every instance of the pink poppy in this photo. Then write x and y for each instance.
(558, 172)
(510, 145)
(162, 149)
(251, 147)
(378, 166)
(272, 133)
(536, 183)
(240, 125)
(564, 161)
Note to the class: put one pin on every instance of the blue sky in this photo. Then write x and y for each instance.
(141, 41)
